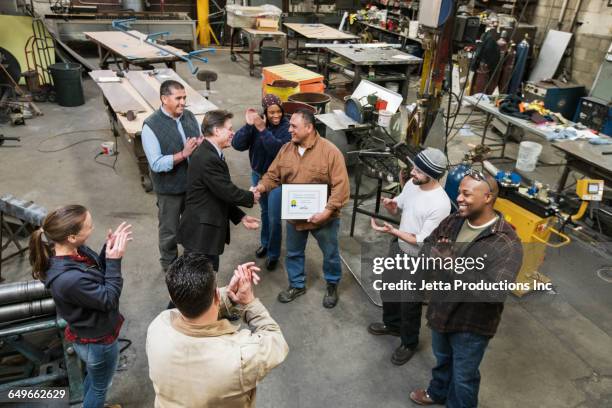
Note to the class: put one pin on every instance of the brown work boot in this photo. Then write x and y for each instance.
(421, 397)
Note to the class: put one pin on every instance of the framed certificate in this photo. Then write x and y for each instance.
(300, 201)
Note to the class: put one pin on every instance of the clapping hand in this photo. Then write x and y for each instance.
(259, 122)
(386, 227)
(250, 116)
(116, 242)
(240, 288)
(390, 204)
(190, 145)
(250, 222)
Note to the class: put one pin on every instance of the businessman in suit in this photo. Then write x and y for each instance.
(212, 199)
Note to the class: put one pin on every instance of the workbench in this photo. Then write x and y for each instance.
(491, 112)
(255, 38)
(316, 33)
(363, 59)
(118, 47)
(138, 92)
(585, 158)
(404, 38)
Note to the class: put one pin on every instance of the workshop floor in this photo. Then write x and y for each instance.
(550, 351)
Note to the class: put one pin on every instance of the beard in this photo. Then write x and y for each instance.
(420, 181)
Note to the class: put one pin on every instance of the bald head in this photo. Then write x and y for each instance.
(476, 195)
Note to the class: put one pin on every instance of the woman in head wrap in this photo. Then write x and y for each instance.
(263, 136)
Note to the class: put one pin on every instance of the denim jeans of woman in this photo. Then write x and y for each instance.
(101, 363)
(271, 227)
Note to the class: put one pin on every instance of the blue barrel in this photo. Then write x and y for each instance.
(455, 175)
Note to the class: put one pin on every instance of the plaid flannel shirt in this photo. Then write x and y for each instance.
(504, 259)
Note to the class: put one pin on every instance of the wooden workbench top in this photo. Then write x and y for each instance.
(198, 102)
(129, 47)
(319, 32)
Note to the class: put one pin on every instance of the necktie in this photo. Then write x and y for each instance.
(222, 156)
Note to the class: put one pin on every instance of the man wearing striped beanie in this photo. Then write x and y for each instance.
(424, 204)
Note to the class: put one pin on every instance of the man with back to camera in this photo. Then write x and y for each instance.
(212, 198)
(461, 330)
(169, 137)
(423, 203)
(309, 159)
(197, 358)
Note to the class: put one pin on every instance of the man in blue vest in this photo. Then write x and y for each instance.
(169, 137)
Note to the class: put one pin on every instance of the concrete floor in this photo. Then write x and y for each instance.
(550, 351)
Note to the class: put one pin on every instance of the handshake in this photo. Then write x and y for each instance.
(256, 193)
(240, 288)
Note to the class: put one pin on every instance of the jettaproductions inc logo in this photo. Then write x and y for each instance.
(447, 273)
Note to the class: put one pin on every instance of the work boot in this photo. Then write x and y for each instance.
(421, 397)
(261, 252)
(290, 294)
(402, 355)
(380, 329)
(331, 296)
(271, 264)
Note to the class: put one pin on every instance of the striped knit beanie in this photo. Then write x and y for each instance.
(431, 162)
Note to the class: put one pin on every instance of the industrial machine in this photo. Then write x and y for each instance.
(467, 29)
(534, 214)
(595, 114)
(33, 350)
(557, 96)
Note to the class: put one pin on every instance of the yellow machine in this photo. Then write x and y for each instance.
(535, 229)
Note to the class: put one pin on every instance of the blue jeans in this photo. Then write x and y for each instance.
(327, 238)
(271, 227)
(456, 378)
(101, 362)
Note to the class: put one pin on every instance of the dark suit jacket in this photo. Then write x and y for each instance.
(212, 201)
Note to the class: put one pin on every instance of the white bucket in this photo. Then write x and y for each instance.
(528, 156)
(384, 118)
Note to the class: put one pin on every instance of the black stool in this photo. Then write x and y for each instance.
(208, 77)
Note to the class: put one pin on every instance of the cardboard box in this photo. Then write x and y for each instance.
(267, 24)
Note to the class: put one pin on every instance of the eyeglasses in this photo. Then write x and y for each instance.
(479, 176)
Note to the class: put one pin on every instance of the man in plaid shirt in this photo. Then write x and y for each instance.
(462, 327)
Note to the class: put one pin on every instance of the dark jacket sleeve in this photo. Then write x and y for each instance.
(272, 142)
(220, 184)
(236, 214)
(91, 294)
(243, 138)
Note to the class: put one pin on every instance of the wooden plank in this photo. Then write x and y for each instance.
(120, 101)
(131, 48)
(147, 89)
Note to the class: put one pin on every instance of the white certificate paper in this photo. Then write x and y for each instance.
(301, 201)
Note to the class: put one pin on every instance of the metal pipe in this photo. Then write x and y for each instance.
(573, 22)
(27, 382)
(97, 3)
(562, 14)
(26, 310)
(33, 327)
(22, 292)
